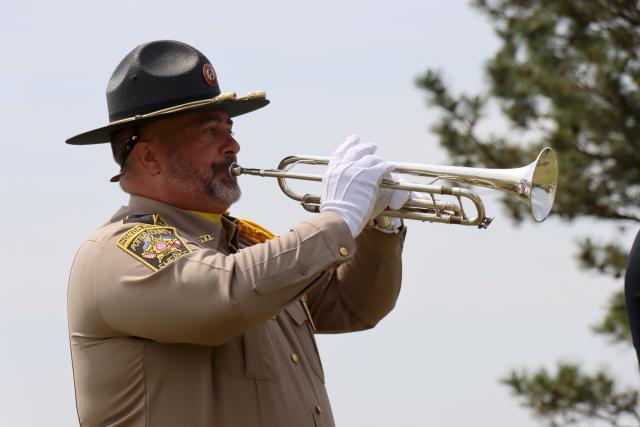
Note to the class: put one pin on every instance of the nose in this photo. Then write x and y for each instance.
(231, 146)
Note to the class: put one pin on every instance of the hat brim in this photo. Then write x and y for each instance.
(225, 102)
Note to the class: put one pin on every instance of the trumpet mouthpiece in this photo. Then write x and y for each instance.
(235, 170)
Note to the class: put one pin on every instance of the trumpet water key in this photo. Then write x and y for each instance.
(534, 184)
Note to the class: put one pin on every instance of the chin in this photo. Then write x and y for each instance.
(223, 195)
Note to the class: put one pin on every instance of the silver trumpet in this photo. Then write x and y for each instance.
(534, 184)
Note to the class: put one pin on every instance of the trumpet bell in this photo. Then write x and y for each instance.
(534, 184)
(544, 179)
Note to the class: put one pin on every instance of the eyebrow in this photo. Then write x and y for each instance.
(207, 119)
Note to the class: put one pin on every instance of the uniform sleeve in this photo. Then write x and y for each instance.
(632, 294)
(203, 297)
(359, 293)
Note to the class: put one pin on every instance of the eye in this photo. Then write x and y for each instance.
(214, 129)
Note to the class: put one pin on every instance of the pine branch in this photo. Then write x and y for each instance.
(568, 70)
(615, 324)
(570, 396)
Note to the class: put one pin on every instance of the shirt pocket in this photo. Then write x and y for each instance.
(305, 334)
(250, 355)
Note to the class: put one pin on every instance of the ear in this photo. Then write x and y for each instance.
(147, 157)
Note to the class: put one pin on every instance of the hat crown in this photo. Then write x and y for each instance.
(158, 75)
(160, 79)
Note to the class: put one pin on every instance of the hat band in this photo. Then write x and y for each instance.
(223, 97)
(142, 109)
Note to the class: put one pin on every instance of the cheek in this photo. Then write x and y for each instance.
(198, 156)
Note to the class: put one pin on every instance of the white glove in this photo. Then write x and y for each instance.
(389, 199)
(351, 182)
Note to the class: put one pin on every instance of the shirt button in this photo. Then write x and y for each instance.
(344, 251)
(295, 358)
(318, 409)
(304, 270)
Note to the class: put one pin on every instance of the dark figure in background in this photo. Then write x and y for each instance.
(632, 294)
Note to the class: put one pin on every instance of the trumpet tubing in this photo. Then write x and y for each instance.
(534, 184)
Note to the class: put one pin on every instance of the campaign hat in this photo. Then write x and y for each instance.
(160, 79)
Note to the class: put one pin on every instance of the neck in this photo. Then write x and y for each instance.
(190, 202)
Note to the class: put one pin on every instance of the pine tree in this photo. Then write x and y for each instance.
(566, 75)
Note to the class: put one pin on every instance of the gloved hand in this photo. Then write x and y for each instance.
(389, 199)
(351, 182)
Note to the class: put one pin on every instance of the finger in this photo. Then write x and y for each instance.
(419, 196)
(356, 152)
(345, 146)
(398, 199)
(369, 161)
(381, 203)
(385, 167)
(376, 166)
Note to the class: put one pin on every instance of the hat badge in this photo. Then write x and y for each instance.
(209, 74)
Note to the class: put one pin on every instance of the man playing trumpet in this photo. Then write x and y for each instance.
(181, 315)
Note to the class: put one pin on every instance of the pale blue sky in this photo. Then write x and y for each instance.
(474, 303)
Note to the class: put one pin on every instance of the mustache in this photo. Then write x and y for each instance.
(223, 165)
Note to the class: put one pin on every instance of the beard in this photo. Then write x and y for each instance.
(183, 176)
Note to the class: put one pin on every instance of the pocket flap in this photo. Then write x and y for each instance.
(297, 313)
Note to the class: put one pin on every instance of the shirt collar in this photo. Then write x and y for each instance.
(188, 222)
(217, 218)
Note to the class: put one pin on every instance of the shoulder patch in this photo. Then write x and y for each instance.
(154, 246)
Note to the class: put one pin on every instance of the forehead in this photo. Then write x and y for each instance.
(200, 117)
(188, 121)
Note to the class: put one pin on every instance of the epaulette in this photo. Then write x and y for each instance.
(153, 219)
(251, 231)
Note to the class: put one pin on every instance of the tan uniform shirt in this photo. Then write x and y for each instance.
(214, 333)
